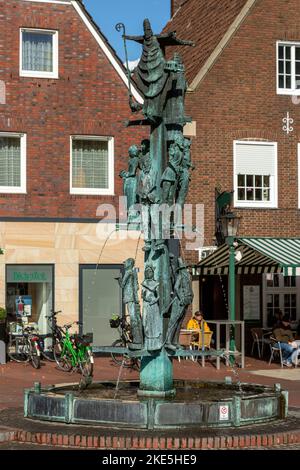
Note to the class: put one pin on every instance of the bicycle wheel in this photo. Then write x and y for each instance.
(63, 361)
(87, 365)
(17, 350)
(35, 357)
(120, 358)
(49, 355)
(49, 352)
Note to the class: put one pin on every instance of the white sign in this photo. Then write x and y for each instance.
(224, 413)
(251, 302)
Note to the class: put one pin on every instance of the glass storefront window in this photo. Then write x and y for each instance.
(100, 298)
(29, 294)
(282, 294)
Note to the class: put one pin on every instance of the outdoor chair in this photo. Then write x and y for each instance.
(185, 339)
(259, 340)
(203, 342)
(275, 350)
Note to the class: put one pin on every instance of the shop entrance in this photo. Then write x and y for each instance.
(29, 294)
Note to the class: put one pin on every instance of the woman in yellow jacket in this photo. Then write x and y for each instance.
(197, 322)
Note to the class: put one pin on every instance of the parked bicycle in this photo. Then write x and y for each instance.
(74, 352)
(57, 334)
(25, 347)
(123, 327)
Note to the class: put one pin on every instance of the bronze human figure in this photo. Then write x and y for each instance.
(152, 319)
(130, 177)
(130, 286)
(183, 297)
(170, 177)
(184, 174)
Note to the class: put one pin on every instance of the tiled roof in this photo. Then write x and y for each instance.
(205, 22)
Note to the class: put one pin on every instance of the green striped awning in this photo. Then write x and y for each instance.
(255, 256)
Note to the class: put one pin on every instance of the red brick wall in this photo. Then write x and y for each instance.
(88, 98)
(238, 100)
(175, 4)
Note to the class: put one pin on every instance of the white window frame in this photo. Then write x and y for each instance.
(279, 290)
(23, 148)
(293, 90)
(273, 203)
(38, 73)
(95, 191)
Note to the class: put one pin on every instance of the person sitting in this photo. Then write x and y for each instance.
(197, 322)
(284, 335)
(277, 319)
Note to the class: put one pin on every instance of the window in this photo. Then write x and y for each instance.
(281, 293)
(255, 174)
(92, 165)
(12, 163)
(100, 298)
(38, 53)
(288, 68)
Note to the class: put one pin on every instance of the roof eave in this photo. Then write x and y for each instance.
(221, 46)
(106, 47)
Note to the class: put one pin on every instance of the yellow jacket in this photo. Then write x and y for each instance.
(193, 324)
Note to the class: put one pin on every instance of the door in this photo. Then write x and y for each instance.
(100, 298)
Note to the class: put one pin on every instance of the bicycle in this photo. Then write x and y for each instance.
(74, 352)
(25, 347)
(123, 328)
(56, 334)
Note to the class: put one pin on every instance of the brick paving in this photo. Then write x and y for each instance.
(15, 377)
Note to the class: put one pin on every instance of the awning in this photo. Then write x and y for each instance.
(255, 256)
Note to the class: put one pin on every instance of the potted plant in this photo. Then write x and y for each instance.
(2, 323)
(2, 314)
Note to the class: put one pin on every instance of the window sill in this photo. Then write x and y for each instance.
(253, 206)
(88, 192)
(288, 92)
(53, 76)
(12, 191)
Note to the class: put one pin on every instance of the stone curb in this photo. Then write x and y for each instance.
(251, 441)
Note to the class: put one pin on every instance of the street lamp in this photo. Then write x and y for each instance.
(230, 226)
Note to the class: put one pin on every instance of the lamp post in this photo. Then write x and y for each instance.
(230, 225)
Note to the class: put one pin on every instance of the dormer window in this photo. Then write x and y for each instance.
(38, 53)
(288, 68)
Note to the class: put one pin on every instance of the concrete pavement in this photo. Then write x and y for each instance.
(15, 377)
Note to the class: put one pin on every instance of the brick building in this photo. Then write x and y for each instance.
(63, 142)
(244, 75)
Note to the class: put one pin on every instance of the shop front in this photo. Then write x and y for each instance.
(267, 280)
(30, 294)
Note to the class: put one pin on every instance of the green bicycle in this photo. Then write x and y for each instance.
(74, 352)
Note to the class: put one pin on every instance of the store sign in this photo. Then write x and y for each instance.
(251, 305)
(29, 277)
(29, 274)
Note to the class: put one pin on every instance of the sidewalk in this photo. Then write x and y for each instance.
(15, 377)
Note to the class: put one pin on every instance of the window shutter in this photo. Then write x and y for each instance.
(90, 164)
(254, 159)
(10, 161)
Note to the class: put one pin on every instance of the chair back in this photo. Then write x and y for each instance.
(185, 337)
(257, 333)
(206, 338)
(275, 344)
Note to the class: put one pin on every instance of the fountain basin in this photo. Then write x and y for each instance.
(196, 404)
